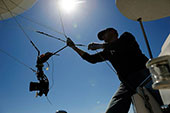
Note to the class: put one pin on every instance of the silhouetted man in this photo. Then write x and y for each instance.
(126, 57)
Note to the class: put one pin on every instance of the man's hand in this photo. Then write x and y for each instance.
(94, 46)
(70, 43)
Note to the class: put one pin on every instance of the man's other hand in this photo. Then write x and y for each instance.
(95, 46)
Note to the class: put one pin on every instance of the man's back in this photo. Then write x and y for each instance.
(125, 55)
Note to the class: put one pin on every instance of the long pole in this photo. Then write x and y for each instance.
(145, 37)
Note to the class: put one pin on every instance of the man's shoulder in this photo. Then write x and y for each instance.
(126, 34)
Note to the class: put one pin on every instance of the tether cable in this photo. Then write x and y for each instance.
(48, 100)
(17, 60)
(27, 36)
(40, 32)
(107, 63)
(52, 73)
(47, 27)
(62, 24)
(31, 20)
(22, 28)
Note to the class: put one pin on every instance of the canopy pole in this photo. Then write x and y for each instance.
(145, 37)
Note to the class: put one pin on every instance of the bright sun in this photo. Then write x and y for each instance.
(68, 5)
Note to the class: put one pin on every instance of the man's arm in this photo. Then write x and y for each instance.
(79, 51)
(98, 57)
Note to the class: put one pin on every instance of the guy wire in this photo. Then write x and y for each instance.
(21, 28)
(31, 20)
(17, 60)
(48, 100)
(62, 24)
(52, 74)
(13, 14)
(107, 64)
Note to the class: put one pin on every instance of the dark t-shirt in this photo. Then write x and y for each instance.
(124, 54)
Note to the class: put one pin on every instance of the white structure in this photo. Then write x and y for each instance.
(165, 51)
(15, 6)
(148, 10)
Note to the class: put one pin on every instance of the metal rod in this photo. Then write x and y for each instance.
(54, 37)
(59, 50)
(145, 37)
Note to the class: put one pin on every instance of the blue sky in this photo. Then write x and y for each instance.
(79, 87)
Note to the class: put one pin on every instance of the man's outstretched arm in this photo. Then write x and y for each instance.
(98, 57)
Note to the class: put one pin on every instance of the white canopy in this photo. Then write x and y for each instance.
(146, 9)
(15, 6)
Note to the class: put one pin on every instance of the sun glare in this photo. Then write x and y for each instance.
(69, 5)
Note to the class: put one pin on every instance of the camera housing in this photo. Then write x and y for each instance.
(42, 87)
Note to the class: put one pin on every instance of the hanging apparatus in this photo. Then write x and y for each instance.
(43, 85)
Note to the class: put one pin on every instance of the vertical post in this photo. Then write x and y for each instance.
(146, 40)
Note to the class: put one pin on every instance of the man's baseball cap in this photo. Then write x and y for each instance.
(101, 33)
